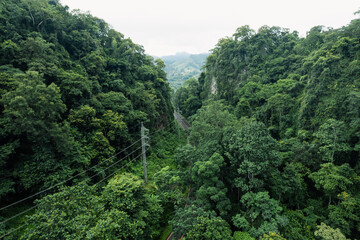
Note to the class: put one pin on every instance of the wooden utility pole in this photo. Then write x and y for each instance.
(143, 145)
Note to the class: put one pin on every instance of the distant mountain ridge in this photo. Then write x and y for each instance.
(182, 66)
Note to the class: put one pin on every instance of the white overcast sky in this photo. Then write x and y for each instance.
(165, 27)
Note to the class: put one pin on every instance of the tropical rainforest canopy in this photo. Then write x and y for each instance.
(73, 93)
(272, 153)
(276, 133)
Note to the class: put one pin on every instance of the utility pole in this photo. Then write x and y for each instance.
(143, 145)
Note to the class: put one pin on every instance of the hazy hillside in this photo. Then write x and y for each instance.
(182, 66)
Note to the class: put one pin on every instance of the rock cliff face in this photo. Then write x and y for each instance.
(213, 86)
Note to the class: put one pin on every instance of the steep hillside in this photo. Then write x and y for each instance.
(272, 151)
(286, 81)
(276, 136)
(183, 66)
(73, 92)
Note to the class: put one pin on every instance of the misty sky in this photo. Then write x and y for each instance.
(165, 27)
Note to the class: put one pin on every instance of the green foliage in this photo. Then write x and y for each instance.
(274, 116)
(73, 92)
(31, 106)
(242, 236)
(194, 223)
(333, 179)
(344, 214)
(262, 214)
(254, 153)
(328, 233)
(282, 113)
(332, 139)
(68, 214)
(165, 234)
(272, 236)
(185, 218)
(289, 185)
(209, 228)
(127, 193)
(187, 98)
(32, 117)
(299, 226)
(168, 183)
(185, 158)
(123, 210)
(211, 191)
(209, 122)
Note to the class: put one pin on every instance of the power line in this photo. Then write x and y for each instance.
(58, 184)
(27, 210)
(115, 162)
(143, 146)
(19, 214)
(49, 188)
(118, 169)
(16, 229)
(151, 134)
(90, 177)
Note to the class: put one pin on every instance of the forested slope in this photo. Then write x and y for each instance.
(275, 137)
(73, 93)
(274, 141)
(182, 66)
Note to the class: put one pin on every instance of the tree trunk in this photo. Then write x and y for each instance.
(32, 17)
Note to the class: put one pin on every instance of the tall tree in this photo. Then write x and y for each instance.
(262, 214)
(211, 191)
(254, 153)
(333, 179)
(332, 139)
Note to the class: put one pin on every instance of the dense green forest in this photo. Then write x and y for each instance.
(275, 137)
(182, 66)
(272, 153)
(73, 95)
